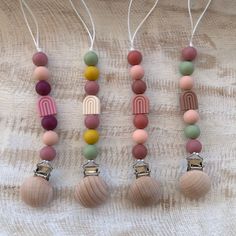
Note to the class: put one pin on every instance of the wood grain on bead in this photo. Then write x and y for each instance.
(92, 191)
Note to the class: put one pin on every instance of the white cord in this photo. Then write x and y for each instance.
(131, 38)
(93, 34)
(193, 28)
(35, 39)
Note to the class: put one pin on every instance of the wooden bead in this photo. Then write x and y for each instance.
(36, 191)
(144, 191)
(194, 184)
(92, 191)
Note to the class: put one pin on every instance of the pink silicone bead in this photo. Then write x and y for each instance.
(193, 145)
(136, 72)
(41, 73)
(50, 138)
(186, 82)
(191, 117)
(47, 153)
(140, 136)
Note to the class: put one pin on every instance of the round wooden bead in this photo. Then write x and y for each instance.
(140, 121)
(136, 72)
(91, 87)
(189, 53)
(195, 184)
(91, 192)
(47, 153)
(186, 68)
(41, 73)
(90, 152)
(91, 121)
(40, 59)
(139, 151)
(139, 86)
(144, 191)
(50, 138)
(36, 191)
(193, 145)
(49, 122)
(91, 58)
(43, 88)
(192, 131)
(186, 82)
(140, 136)
(134, 57)
(91, 136)
(91, 73)
(191, 117)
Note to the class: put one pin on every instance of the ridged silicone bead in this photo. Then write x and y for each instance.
(186, 67)
(91, 58)
(192, 131)
(91, 73)
(90, 152)
(91, 136)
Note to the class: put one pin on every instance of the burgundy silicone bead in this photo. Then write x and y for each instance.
(49, 122)
(47, 153)
(189, 53)
(91, 121)
(43, 88)
(193, 145)
(139, 86)
(40, 59)
(140, 121)
(91, 87)
(134, 57)
(139, 151)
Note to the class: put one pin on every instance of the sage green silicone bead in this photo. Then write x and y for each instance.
(192, 131)
(186, 67)
(90, 152)
(91, 58)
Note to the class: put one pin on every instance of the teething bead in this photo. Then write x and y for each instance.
(140, 136)
(91, 121)
(49, 122)
(140, 121)
(193, 145)
(136, 72)
(47, 153)
(43, 88)
(192, 131)
(186, 68)
(90, 152)
(91, 87)
(91, 58)
(134, 57)
(186, 82)
(40, 59)
(91, 136)
(91, 73)
(41, 73)
(139, 86)
(191, 116)
(189, 53)
(139, 151)
(50, 138)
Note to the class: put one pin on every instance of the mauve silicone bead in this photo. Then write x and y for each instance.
(140, 121)
(40, 59)
(91, 87)
(49, 122)
(193, 145)
(91, 121)
(139, 151)
(43, 88)
(134, 57)
(189, 53)
(47, 153)
(139, 86)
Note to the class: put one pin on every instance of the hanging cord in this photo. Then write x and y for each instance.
(131, 38)
(35, 39)
(93, 34)
(194, 28)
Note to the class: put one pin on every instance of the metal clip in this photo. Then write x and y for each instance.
(141, 169)
(195, 162)
(91, 169)
(43, 169)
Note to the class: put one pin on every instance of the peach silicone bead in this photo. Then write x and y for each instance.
(136, 72)
(140, 136)
(191, 117)
(41, 73)
(50, 138)
(186, 82)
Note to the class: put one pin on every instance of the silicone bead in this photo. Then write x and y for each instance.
(43, 88)
(90, 152)
(139, 151)
(41, 73)
(189, 53)
(192, 131)
(186, 82)
(91, 136)
(50, 138)
(186, 68)
(191, 117)
(91, 121)
(140, 121)
(193, 145)
(91, 73)
(136, 72)
(91, 58)
(91, 87)
(49, 122)
(134, 57)
(40, 59)
(139, 87)
(140, 136)
(47, 153)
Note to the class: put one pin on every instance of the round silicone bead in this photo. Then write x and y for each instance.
(40, 59)
(91, 87)
(90, 152)
(43, 88)
(192, 131)
(140, 121)
(49, 122)
(136, 72)
(50, 138)
(41, 73)
(47, 153)
(91, 136)
(139, 86)
(191, 117)
(91, 73)
(193, 145)
(91, 58)
(186, 82)
(189, 53)
(91, 121)
(140, 136)
(186, 67)
(139, 151)
(134, 57)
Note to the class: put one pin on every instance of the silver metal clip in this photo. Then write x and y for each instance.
(195, 162)
(43, 169)
(91, 168)
(141, 169)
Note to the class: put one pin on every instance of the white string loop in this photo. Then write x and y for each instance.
(132, 37)
(194, 27)
(93, 34)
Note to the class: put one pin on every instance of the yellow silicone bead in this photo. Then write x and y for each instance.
(91, 73)
(91, 136)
